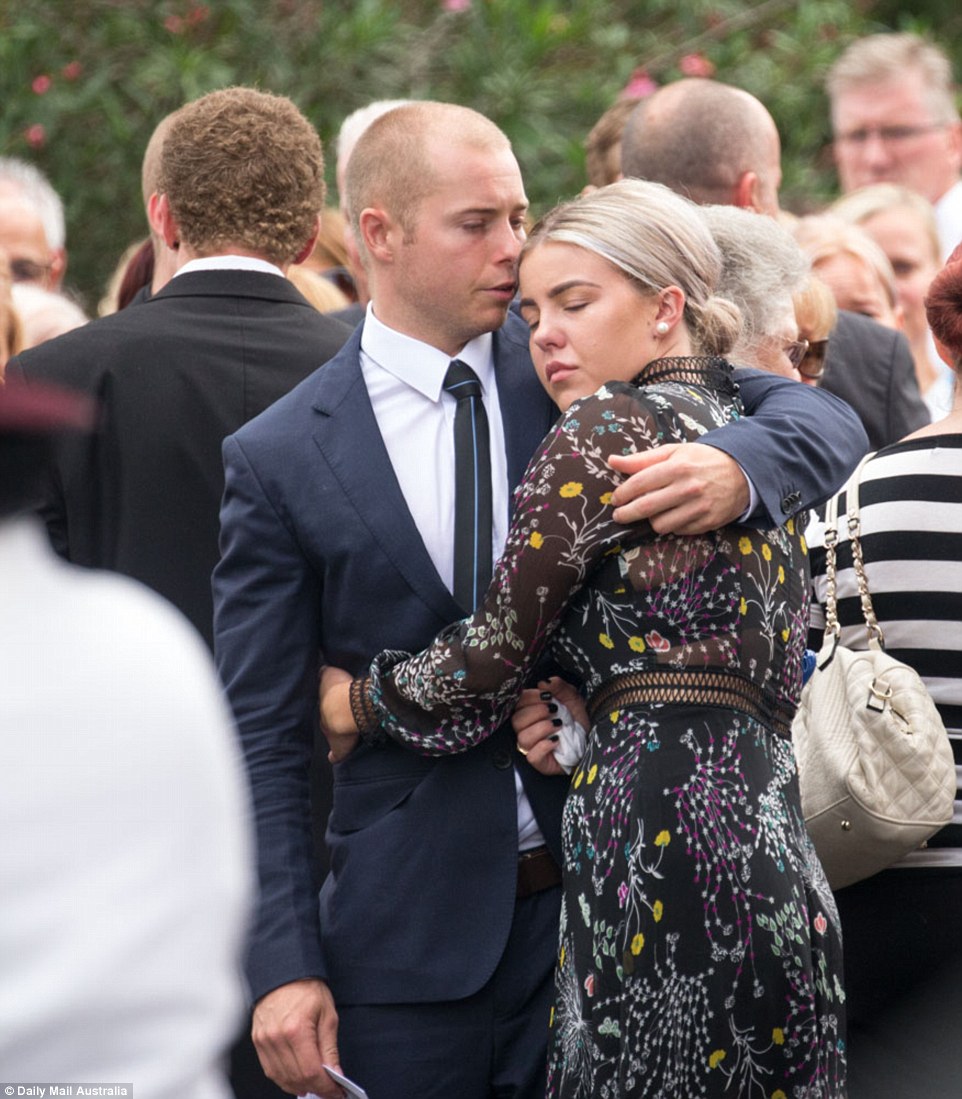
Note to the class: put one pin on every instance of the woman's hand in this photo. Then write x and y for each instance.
(534, 720)
(337, 721)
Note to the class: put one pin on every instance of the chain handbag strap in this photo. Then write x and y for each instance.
(876, 639)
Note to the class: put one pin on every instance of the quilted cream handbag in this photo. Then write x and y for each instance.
(875, 764)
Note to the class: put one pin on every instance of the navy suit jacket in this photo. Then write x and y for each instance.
(322, 560)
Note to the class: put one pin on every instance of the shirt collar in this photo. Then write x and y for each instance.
(420, 365)
(229, 263)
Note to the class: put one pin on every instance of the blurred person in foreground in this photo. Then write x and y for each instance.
(436, 930)
(715, 143)
(690, 652)
(903, 947)
(127, 867)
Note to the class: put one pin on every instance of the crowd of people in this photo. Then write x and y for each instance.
(497, 535)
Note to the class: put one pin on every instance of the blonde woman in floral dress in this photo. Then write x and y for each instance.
(699, 947)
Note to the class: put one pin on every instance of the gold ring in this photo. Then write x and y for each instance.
(523, 751)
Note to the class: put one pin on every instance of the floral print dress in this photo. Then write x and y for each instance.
(699, 950)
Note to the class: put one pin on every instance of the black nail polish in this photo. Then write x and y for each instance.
(552, 707)
(555, 737)
(546, 696)
(557, 722)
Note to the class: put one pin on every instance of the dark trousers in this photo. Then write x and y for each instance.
(491, 1045)
(902, 939)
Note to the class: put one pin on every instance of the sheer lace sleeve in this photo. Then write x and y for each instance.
(462, 686)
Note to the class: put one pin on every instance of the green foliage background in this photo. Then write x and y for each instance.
(542, 69)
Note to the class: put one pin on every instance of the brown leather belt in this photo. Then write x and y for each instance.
(537, 871)
(691, 688)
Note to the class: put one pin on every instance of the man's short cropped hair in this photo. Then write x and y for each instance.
(243, 168)
(885, 59)
(390, 164)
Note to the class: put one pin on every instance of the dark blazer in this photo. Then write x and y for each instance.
(321, 556)
(871, 368)
(174, 375)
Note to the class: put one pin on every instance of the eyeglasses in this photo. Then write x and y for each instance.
(28, 270)
(812, 363)
(795, 351)
(888, 135)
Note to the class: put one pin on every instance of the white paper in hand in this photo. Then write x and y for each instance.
(351, 1090)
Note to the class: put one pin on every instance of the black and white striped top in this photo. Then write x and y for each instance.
(911, 521)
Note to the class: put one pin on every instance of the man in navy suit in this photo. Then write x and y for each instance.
(436, 930)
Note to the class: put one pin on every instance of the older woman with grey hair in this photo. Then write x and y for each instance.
(762, 268)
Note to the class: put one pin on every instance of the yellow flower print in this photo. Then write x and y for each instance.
(716, 1058)
(766, 551)
(551, 1016)
(636, 644)
(663, 838)
(606, 641)
(781, 574)
(790, 526)
(614, 715)
(803, 545)
(745, 545)
(778, 1036)
(536, 539)
(578, 779)
(785, 634)
(571, 488)
(779, 1094)
(593, 773)
(605, 498)
(657, 910)
(743, 606)
(637, 944)
(561, 958)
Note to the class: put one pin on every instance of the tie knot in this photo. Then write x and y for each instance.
(461, 381)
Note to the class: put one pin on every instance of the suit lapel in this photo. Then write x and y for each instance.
(348, 436)
(526, 411)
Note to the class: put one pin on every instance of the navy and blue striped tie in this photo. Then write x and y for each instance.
(472, 487)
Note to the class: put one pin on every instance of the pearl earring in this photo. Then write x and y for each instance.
(661, 328)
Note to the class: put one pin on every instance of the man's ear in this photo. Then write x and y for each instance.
(58, 267)
(379, 233)
(747, 192)
(162, 220)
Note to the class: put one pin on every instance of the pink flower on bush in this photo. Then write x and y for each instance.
(455, 5)
(41, 84)
(36, 136)
(175, 24)
(197, 14)
(640, 86)
(696, 64)
(72, 70)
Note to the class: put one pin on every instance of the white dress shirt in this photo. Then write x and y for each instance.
(404, 379)
(126, 862)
